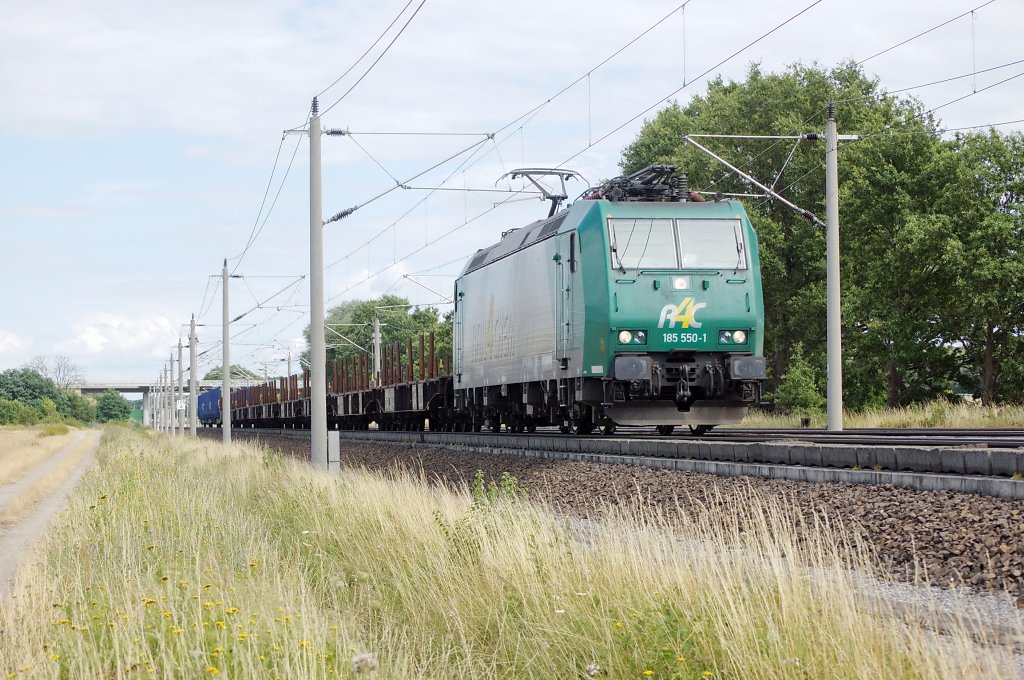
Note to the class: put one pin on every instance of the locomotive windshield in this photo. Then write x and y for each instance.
(711, 244)
(642, 243)
(645, 243)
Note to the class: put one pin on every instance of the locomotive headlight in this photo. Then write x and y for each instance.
(732, 337)
(680, 283)
(633, 337)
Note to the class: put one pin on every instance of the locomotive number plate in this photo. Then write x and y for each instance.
(684, 337)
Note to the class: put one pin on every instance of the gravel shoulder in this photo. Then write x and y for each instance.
(17, 540)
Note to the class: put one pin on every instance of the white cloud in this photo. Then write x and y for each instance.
(10, 342)
(110, 332)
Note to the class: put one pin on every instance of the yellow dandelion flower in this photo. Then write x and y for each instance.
(706, 674)
(231, 610)
(55, 657)
(618, 624)
(304, 643)
(243, 635)
(177, 631)
(648, 671)
(334, 628)
(220, 624)
(213, 670)
(681, 659)
(184, 582)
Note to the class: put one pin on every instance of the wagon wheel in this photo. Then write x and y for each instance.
(665, 430)
(700, 430)
(582, 427)
(608, 428)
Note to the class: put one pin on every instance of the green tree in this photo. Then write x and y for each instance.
(349, 329)
(28, 387)
(882, 195)
(112, 406)
(238, 372)
(978, 182)
(77, 407)
(798, 390)
(16, 413)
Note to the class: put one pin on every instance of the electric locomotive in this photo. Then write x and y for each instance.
(640, 304)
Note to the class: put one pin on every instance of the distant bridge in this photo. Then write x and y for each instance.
(136, 387)
(146, 389)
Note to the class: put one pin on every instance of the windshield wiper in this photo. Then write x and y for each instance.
(739, 250)
(615, 251)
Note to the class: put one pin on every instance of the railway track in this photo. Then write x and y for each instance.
(967, 465)
(1001, 439)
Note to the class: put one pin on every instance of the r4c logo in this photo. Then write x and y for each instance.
(684, 313)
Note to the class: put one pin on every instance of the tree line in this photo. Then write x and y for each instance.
(33, 394)
(930, 234)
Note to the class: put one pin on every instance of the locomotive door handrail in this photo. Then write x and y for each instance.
(457, 332)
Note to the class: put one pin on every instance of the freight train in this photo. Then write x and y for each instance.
(639, 304)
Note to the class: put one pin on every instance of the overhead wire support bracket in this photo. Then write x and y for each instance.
(806, 214)
(340, 132)
(402, 185)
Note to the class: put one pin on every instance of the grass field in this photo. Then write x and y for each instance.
(934, 414)
(21, 449)
(179, 558)
(24, 503)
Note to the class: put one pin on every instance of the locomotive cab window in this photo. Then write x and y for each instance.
(642, 243)
(711, 244)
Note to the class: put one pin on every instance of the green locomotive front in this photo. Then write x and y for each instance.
(636, 306)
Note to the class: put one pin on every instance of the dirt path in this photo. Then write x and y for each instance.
(17, 540)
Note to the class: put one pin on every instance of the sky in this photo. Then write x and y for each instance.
(141, 144)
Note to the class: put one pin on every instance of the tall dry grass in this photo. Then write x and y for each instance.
(23, 504)
(22, 449)
(179, 558)
(939, 414)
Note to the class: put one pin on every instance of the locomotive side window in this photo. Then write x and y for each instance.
(642, 243)
(712, 244)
